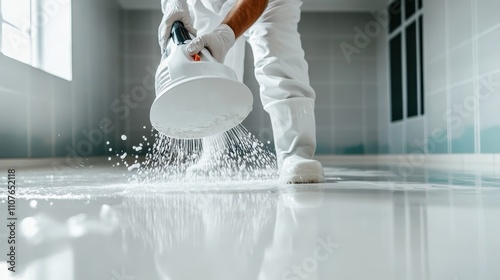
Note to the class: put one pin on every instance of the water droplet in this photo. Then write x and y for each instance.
(107, 142)
(33, 204)
(124, 137)
(134, 166)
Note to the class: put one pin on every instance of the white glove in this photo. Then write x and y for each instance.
(217, 42)
(173, 10)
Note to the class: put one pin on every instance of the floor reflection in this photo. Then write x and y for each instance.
(255, 235)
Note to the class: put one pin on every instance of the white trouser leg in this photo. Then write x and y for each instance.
(280, 67)
(282, 72)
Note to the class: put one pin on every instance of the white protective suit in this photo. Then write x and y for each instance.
(282, 73)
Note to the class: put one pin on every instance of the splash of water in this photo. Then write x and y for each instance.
(229, 156)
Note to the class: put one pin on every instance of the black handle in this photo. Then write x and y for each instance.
(179, 33)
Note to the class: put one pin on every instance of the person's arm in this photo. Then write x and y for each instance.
(244, 14)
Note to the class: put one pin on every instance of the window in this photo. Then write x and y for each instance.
(16, 29)
(406, 59)
(396, 79)
(38, 33)
(395, 15)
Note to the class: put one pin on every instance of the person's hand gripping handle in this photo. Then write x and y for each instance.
(180, 36)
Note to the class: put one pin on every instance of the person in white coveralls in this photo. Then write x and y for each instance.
(270, 27)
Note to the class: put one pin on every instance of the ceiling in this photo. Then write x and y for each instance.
(309, 5)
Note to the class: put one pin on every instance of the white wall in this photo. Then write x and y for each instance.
(114, 51)
(383, 94)
(43, 115)
(141, 58)
(308, 6)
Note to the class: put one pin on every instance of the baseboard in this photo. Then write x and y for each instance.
(488, 162)
(43, 163)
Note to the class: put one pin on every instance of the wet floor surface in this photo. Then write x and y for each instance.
(366, 222)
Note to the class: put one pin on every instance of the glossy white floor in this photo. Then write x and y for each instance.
(369, 221)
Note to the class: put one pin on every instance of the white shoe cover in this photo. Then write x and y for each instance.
(298, 170)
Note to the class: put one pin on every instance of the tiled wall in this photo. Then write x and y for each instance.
(141, 58)
(346, 88)
(462, 82)
(44, 116)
